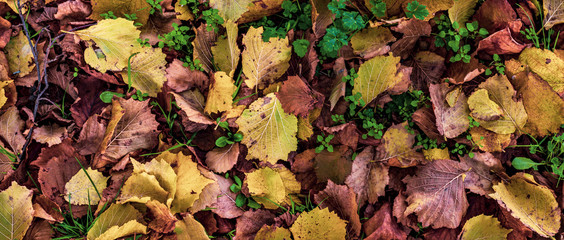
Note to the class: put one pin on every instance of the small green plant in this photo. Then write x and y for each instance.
(473, 122)
(460, 149)
(457, 38)
(344, 26)
(300, 47)
(9, 16)
(296, 15)
(212, 18)
(170, 116)
(241, 200)
(107, 96)
(378, 8)
(370, 124)
(416, 10)
(498, 64)
(155, 6)
(550, 148)
(180, 39)
(108, 15)
(230, 138)
(324, 143)
(541, 36)
(406, 104)
(427, 143)
(337, 118)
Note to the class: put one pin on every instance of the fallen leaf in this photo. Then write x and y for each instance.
(412, 30)
(334, 166)
(272, 185)
(75, 9)
(119, 220)
(227, 44)
(114, 38)
(554, 13)
(230, 10)
(297, 98)
(461, 72)
(372, 42)
(482, 107)
(220, 97)
(530, 202)
(500, 42)
(341, 200)
(483, 227)
(49, 134)
(546, 64)
(382, 226)
(375, 76)
(483, 168)
(181, 78)
(192, 105)
(225, 206)
(163, 172)
(451, 121)
(16, 210)
(141, 9)
(147, 71)
(268, 132)
(190, 229)
(11, 126)
(259, 9)
(321, 17)
(202, 47)
(273, 233)
(83, 189)
(396, 149)
(20, 55)
(251, 222)
(489, 141)
(436, 154)
(434, 6)
(264, 62)
(313, 225)
(495, 14)
(461, 11)
(428, 67)
(223, 159)
(436, 194)
(163, 220)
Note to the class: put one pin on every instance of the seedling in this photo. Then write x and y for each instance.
(550, 148)
(498, 64)
(296, 15)
(170, 116)
(457, 38)
(241, 200)
(532, 34)
(344, 26)
(155, 6)
(180, 39)
(378, 8)
(230, 138)
(300, 47)
(324, 143)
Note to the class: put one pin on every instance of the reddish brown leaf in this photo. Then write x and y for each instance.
(500, 42)
(412, 30)
(382, 226)
(297, 98)
(368, 179)
(342, 200)
(333, 165)
(251, 222)
(225, 206)
(223, 159)
(495, 14)
(180, 78)
(451, 120)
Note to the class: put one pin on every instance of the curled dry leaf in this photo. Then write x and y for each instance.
(500, 42)
(73, 9)
(192, 105)
(227, 44)
(451, 120)
(297, 98)
(202, 47)
(368, 178)
(50, 134)
(181, 78)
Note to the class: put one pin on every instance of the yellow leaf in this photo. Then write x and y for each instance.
(20, 56)
(554, 12)
(268, 185)
(190, 229)
(434, 6)
(163, 172)
(141, 188)
(268, 132)
(259, 9)
(79, 188)
(461, 11)
(483, 227)
(227, 44)
(371, 42)
(14, 7)
(482, 107)
(546, 64)
(220, 97)
(533, 204)
(436, 154)
(264, 62)
(375, 76)
(147, 71)
(273, 233)
(3, 98)
(397, 147)
(319, 224)
(501, 92)
(119, 220)
(183, 12)
(115, 40)
(230, 10)
(140, 8)
(489, 141)
(16, 211)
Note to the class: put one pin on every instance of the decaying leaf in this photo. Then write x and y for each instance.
(372, 42)
(377, 75)
(83, 189)
(228, 44)
(11, 126)
(341, 200)
(554, 13)
(530, 202)
(141, 9)
(334, 166)
(220, 96)
(297, 98)
(20, 55)
(264, 62)
(268, 132)
(268, 185)
(397, 148)
(314, 225)
(16, 211)
(119, 220)
(436, 194)
(190, 229)
(114, 39)
(451, 120)
(147, 71)
(546, 64)
(368, 179)
(49, 134)
(483, 227)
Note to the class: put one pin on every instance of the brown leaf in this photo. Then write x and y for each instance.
(223, 159)
(412, 30)
(426, 121)
(89, 102)
(297, 98)
(381, 226)
(11, 126)
(436, 194)
(49, 134)
(225, 206)
(39, 230)
(333, 165)
(181, 78)
(461, 72)
(368, 179)
(483, 167)
(342, 200)
(44, 208)
(5, 32)
(191, 104)
(345, 134)
(91, 136)
(321, 17)
(202, 47)
(73, 9)
(251, 222)
(500, 42)
(495, 14)
(259, 9)
(163, 220)
(158, 25)
(428, 67)
(451, 120)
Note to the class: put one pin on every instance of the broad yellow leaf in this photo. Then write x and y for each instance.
(231, 10)
(264, 62)
(268, 132)
(375, 76)
(268, 185)
(114, 39)
(81, 191)
(141, 188)
(220, 97)
(20, 56)
(371, 42)
(319, 224)
(483, 227)
(436, 154)
(140, 8)
(500, 91)
(533, 204)
(267, 232)
(461, 11)
(163, 172)
(554, 12)
(190, 229)
(119, 220)
(397, 147)
(183, 12)
(546, 64)
(16, 211)
(3, 98)
(147, 71)
(226, 52)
